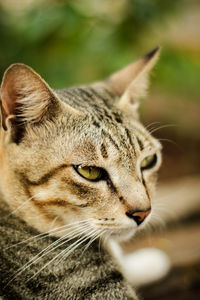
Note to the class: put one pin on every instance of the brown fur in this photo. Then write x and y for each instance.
(45, 133)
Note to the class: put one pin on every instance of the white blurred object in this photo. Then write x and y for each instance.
(145, 266)
(142, 266)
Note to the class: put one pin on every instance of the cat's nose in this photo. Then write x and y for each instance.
(138, 215)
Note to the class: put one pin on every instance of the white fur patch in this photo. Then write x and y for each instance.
(145, 266)
(142, 266)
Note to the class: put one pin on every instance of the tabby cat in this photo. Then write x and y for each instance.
(77, 170)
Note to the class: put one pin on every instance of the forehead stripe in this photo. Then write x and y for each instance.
(104, 152)
(83, 93)
(106, 134)
(140, 144)
(105, 101)
(130, 139)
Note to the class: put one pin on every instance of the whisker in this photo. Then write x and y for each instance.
(156, 218)
(101, 242)
(51, 246)
(96, 236)
(162, 126)
(53, 222)
(81, 240)
(44, 252)
(107, 235)
(72, 245)
(151, 124)
(87, 237)
(77, 227)
(169, 141)
(20, 206)
(48, 233)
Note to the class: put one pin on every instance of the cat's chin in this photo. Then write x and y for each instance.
(123, 234)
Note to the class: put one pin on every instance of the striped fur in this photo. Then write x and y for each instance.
(89, 126)
(88, 275)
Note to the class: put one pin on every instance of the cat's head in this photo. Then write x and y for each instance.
(80, 155)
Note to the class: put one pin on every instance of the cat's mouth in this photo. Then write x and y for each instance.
(118, 232)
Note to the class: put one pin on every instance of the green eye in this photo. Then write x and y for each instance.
(148, 162)
(90, 173)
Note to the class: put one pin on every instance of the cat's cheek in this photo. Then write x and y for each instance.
(150, 181)
(52, 194)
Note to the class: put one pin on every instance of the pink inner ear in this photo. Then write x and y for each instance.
(8, 97)
(25, 95)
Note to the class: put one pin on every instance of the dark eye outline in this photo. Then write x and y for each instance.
(151, 164)
(103, 174)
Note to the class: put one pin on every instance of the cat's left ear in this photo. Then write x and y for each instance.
(131, 83)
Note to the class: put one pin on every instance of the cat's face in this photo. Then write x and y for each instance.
(77, 156)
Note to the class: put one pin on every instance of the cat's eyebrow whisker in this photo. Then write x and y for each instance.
(50, 232)
(148, 127)
(161, 127)
(169, 141)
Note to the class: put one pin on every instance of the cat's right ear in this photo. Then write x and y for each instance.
(26, 98)
(131, 83)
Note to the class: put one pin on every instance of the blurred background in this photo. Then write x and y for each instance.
(80, 41)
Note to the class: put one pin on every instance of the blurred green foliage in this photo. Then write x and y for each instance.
(70, 42)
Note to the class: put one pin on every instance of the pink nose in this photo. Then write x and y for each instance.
(139, 215)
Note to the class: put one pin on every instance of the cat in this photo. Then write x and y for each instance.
(77, 170)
